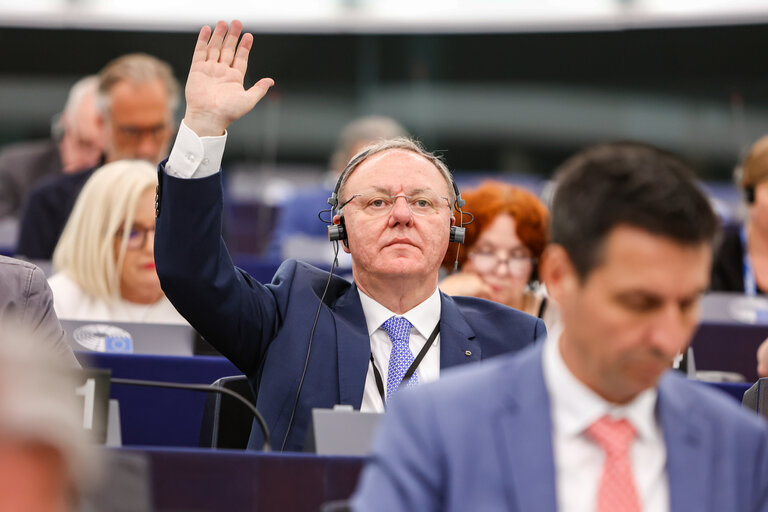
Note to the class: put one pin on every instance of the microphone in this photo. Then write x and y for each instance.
(266, 447)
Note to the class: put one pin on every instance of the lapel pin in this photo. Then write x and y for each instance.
(467, 353)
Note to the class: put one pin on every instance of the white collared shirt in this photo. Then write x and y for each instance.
(200, 157)
(579, 460)
(423, 319)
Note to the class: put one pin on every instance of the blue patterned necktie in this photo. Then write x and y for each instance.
(401, 357)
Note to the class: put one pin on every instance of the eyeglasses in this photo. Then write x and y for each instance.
(377, 203)
(517, 262)
(136, 133)
(137, 236)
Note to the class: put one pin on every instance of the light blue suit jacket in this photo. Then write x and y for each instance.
(480, 439)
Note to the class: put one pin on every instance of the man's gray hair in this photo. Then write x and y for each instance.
(79, 91)
(398, 143)
(136, 68)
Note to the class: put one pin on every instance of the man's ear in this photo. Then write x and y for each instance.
(557, 272)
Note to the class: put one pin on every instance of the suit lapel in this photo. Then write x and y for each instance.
(686, 439)
(354, 347)
(458, 343)
(525, 434)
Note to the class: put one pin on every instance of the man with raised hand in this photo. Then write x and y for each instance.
(593, 419)
(309, 339)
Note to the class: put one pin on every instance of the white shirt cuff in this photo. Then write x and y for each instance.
(193, 156)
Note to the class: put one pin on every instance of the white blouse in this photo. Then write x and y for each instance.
(71, 302)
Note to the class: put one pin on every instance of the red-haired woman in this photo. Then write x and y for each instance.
(502, 247)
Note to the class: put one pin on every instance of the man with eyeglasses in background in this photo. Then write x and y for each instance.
(137, 95)
(310, 339)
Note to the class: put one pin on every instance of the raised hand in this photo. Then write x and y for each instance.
(215, 94)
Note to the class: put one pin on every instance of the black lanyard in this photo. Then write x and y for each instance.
(411, 369)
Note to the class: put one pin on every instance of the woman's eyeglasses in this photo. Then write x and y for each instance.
(487, 260)
(137, 236)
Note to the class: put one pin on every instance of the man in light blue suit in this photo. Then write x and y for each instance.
(592, 419)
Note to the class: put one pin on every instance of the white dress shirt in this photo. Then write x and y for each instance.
(423, 319)
(579, 460)
(200, 157)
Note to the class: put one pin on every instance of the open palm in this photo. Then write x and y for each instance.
(214, 92)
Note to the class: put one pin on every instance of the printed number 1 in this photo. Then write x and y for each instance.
(87, 391)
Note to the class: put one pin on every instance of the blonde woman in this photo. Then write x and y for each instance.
(104, 259)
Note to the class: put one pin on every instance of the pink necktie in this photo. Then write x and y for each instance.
(617, 487)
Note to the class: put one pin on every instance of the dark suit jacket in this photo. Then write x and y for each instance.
(22, 165)
(46, 213)
(481, 439)
(265, 330)
(26, 298)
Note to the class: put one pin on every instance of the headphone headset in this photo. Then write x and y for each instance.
(338, 232)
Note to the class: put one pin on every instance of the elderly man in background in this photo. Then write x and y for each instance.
(76, 145)
(137, 95)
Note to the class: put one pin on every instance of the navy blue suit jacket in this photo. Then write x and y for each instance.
(46, 213)
(481, 439)
(265, 330)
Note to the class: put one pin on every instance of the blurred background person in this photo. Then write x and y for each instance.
(498, 260)
(741, 261)
(762, 359)
(26, 298)
(296, 235)
(76, 145)
(137, 96)
(46, 460)
(104, 261)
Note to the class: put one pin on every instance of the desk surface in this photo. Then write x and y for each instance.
(222, 480)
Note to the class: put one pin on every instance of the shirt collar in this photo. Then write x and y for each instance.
(423, 317)
(575, 406)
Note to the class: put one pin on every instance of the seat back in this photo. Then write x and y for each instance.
(756, 397)
(226, 421)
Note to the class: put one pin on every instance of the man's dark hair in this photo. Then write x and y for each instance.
(631, 184)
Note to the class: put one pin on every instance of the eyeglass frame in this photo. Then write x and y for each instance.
(408, 199)
(137, 133)
(508, 261)
(143, 236)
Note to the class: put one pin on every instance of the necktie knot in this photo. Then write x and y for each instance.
(397, 328)
(615, 436)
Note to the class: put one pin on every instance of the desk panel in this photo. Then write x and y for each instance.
(160, 417)
(221, 480)
(728, 347)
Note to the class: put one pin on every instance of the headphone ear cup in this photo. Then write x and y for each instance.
(457, 235)
(338, 232)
